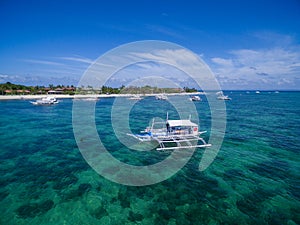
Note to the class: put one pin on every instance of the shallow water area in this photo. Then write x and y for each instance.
(254, 179)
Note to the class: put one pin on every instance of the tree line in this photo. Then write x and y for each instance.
(13, 89)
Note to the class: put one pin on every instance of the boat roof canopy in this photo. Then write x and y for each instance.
(184, 123)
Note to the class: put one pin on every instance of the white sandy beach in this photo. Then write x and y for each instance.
(59, 96)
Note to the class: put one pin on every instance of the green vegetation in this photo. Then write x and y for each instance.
(110, 90)
(9, 87)
(149, 90)
(16, 89)
(186, 89)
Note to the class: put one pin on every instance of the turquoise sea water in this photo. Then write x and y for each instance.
(255, 178)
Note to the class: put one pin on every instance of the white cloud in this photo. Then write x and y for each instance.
(78, 59)
(164, 31)
(45, 62)
(180, 66)
(275, 39)
(3, 76)
(139, 73)
(38, 80)
(222, 62)
(274, 68)
(56, 70)
(164, 61)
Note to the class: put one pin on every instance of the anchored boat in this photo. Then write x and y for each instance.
(49, 100)
(221, 96)
(136, 97)
(161, 97)
(173, 134)
(195, 98)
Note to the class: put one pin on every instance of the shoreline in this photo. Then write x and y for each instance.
(60, 96)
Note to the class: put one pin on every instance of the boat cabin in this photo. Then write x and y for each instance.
(181, 127)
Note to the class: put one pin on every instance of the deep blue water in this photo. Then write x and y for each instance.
(255, 178)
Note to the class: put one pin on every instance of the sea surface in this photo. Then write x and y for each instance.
(255, 178)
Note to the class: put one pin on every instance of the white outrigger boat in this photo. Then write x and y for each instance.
(173, 134)
(49, 100)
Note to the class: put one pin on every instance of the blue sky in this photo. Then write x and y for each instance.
(247, 44)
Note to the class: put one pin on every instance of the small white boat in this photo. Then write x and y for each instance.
(135, 97)
(195, 98)
(173, 134)
(221, 96)
(49, 100)
(257, 92)
(161, 97)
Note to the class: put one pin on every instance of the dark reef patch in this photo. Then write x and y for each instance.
(274, 169)
(34, 209)
(124, 198)
(233, 174)
(251, 204)
(135, 216)
(276, 218)
(67, 181)
(3, 195)
(294, 187)
(99, 212)
(79, 192)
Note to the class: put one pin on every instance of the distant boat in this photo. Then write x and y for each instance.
(221, 96)
(135, 97)
(276, 92)
(161, 97)
(195, 98)
(257, 92)
(49, 100)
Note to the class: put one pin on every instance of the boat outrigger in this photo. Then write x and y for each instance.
(173, 134)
